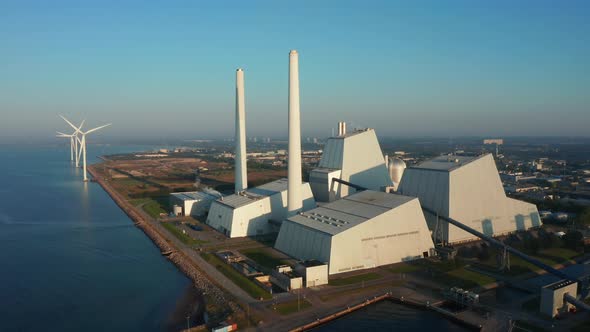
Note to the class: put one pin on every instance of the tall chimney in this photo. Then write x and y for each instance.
(241, 175)
(294, 185)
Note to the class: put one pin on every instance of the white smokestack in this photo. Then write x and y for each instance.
(343, 128)
(294, 191)
(241, 175)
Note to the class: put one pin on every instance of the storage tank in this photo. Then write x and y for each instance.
(177, 209)
(396, 168)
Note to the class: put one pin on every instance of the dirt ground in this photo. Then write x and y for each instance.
(138, 177)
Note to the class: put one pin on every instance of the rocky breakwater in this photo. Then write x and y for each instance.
(178, 257)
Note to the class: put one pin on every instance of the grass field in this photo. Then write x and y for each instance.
(263, 258)
(139, 201)
(558, 255)
(354, 279)
(241, 281)
(467, 279)
(451, 273)
(550, 256)
(153, 208)
(291, 307)
(173, 229)
(405, 268)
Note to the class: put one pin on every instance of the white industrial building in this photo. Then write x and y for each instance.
(255, 211)
(553, 297)
(354, 157)
(469, 190)
(194, 203)
(364, 230)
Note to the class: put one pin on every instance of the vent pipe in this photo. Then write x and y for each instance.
(241, 176)
(341, 128)
(294, 201)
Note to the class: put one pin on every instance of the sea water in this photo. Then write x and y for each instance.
(70, 259)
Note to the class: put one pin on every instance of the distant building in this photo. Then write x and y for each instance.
(194, 203)
(497, 141)
(364, 230)
(469, 190)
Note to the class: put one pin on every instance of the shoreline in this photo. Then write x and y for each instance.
(200, 281)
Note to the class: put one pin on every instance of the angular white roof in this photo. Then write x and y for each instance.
(350, 211)
(469, 190)
(360, 159)
(195, 195)
(251, 195)
(447, 163)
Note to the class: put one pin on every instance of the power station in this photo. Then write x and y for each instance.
(360, 208)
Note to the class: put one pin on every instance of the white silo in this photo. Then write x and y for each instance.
(396, 168)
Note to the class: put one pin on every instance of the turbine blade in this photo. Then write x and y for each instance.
(60, 133)
(79, 128)
(97, 128)
(66, 120)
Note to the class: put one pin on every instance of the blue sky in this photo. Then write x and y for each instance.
(406, 68)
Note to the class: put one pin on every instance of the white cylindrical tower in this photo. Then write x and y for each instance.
(241, 175)
(396, 168)
(294, 202)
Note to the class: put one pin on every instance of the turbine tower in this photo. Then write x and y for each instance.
(294, 202)
(241, 176)
(74, 140)
(83, 146)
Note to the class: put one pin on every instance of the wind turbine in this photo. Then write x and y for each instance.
(74, 140)
(83, 146)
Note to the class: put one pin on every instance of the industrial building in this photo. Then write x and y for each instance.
(553, 300)
(354, 157)
(193, 203)
(315, 273)
(364, 230)
(469, 190)
(255, 211)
